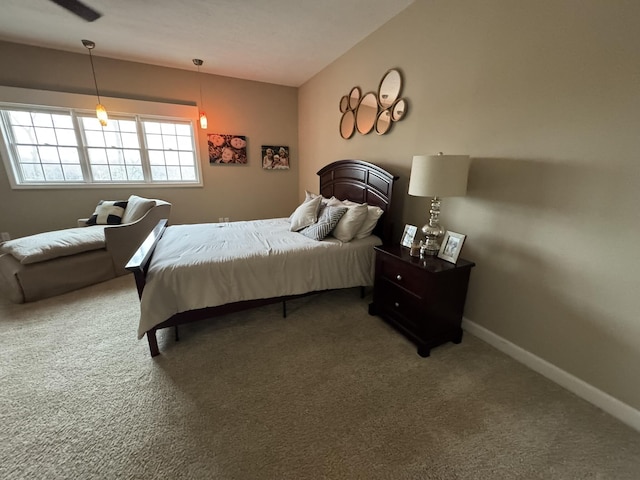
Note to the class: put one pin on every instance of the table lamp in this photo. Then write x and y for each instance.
(437, 176)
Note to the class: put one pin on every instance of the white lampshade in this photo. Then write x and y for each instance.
(439, 175)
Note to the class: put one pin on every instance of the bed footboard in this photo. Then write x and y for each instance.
(139, 262)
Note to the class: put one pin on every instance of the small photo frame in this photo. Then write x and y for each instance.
(451, 246)
(408, 235)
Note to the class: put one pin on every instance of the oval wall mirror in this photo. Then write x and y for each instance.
(366, 113)
(383, 123)
(347, 124)
(344, 103)
(389, 88)
(354, 98)
(399, 109)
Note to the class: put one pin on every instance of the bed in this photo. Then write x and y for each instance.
(185, 273)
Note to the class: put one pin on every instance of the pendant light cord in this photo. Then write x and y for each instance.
(95, 82)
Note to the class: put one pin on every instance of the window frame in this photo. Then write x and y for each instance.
(78, 106)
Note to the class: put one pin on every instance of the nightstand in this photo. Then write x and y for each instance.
(421, 297)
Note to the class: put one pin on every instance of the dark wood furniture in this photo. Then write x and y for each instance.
(422, 298)
(353, 180)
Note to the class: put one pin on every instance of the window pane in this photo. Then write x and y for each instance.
(62, 121)
(112, 139)
(188, 173)
(66, 137)
(183, 129)
(130, 140)
(170, 143)
(53, 173)
(91, 123)
(94, 139)
(46, 136)
(171, 158)
(135, 173)
(69, 155)
(128, 126)
(97, 156)
(72, 173)
(132, 157)
(28, 154)
(173, 173)
(101, 173)
(168, 128)
(24, 134)
(115, 157)
(154, 141)
(48, 154)
(20, 118)
(156, 157)
(184, 143)
(151, 127)
(186, 158)
(119, 173)
(158, 173)
(42, 120)
(32, 172)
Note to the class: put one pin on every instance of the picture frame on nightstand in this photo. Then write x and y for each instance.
(451, 246)
(408, 235)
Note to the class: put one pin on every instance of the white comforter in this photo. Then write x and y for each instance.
(206, 265)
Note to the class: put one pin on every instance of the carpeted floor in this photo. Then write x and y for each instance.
(327, 393)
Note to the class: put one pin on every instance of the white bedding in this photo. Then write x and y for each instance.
(206, 265)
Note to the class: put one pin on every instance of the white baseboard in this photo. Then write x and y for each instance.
(623, 412)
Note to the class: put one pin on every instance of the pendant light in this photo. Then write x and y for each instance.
(101, 112)
(203, 116)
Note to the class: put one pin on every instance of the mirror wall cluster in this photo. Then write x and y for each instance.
(373, 111)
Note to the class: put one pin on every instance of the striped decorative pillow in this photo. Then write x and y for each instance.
(327, 221)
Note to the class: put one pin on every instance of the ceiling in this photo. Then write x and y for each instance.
(285, 42)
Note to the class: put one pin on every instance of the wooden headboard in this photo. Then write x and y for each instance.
(360, 182)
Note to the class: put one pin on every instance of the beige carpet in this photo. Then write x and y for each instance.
(327, 393)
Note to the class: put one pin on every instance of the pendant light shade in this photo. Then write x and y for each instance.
(101, 112)
(203, 116)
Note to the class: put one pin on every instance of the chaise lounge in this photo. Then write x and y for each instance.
(51, 263)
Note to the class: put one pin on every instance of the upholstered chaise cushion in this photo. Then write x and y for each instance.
(58, 243)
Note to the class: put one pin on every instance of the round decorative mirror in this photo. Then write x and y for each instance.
(347, 124)
(389, 88)
(344, 103)
(366, 113)
(383, 123)
(399, 109)
(354, 98)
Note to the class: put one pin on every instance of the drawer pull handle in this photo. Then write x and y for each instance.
(399, 278)
(396, 304)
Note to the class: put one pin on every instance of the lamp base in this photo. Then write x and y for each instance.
(433, 232)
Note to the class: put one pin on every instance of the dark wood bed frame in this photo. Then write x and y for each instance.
(353, 180)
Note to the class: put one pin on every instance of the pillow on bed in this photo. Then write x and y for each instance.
(373, 215)
(351, 222)
(328, 219)
(136, 208)
(310, 196)
(108, 212)
(306, 214)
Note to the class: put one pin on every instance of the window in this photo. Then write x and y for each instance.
(63, 147)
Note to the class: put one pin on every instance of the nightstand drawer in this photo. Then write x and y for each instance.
(398, 303)
(404, 275)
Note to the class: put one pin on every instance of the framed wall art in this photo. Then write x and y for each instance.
(275, 157)
(451, 246)
(227, 149)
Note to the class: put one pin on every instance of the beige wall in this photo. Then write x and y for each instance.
(545, 96)
(265, 113)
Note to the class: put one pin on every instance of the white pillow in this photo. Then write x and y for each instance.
(136, 208)
(306, 214)
(310, 196)
(373, 214)
(351, 222)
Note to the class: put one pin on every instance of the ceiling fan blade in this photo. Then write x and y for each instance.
(80, 9)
